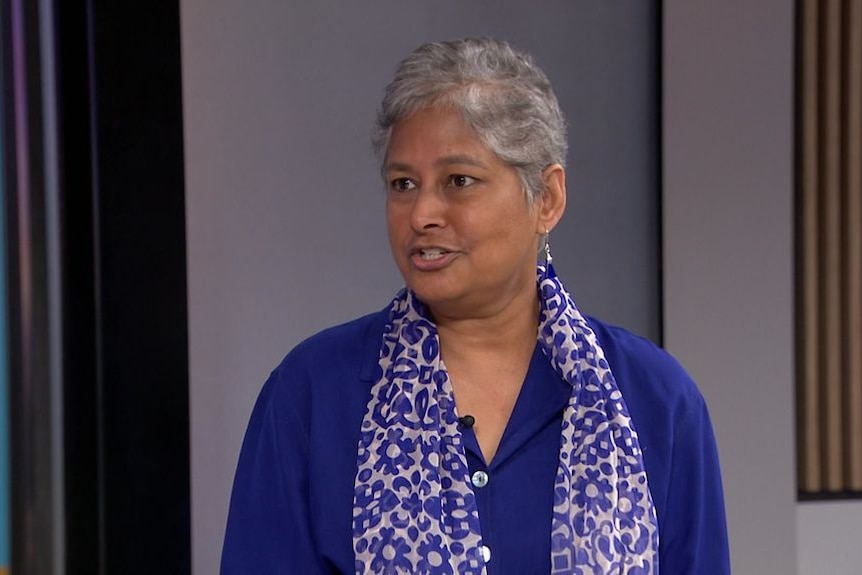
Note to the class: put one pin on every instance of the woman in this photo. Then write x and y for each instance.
(479, 423)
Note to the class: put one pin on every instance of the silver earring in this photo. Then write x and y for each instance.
(550, 273)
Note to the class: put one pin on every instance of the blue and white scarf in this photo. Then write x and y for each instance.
(414, 510)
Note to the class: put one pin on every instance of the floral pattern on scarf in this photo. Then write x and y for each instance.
(414, 510)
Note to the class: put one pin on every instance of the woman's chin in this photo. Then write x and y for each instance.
(434, 295)
(437, 291)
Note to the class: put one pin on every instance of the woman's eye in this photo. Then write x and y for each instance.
(403, 184)
(461, 181)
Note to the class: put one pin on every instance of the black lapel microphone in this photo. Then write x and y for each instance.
(467, 421)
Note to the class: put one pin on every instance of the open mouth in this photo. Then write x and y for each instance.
(431, 254)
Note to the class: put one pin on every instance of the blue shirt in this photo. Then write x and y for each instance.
(292, 502)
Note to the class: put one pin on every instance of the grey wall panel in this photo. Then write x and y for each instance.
(728, 246)
(286, 233)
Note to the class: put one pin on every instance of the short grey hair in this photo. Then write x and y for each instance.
(499, 92)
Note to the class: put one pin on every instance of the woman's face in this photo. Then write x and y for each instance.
(460, 227)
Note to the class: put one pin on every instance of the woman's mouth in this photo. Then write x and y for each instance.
(431, 254)
(431, 259)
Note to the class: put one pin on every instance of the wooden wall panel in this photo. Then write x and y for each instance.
(829, 254)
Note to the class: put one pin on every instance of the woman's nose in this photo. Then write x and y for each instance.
(428, 210)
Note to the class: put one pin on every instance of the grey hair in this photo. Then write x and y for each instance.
(498, 91)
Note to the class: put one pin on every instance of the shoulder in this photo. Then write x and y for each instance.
(348, 346)
(332, 363)
(648, 377)
(299, 454)
(346, 337)
(664, 403)
(678, 445)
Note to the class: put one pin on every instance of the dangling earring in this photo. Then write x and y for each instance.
(549, 267)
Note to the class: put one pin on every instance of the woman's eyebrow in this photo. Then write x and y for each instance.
(398, 167)
(462, 159)
(454, 159)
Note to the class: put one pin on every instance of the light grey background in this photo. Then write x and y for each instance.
(284, 203)
(728, 272)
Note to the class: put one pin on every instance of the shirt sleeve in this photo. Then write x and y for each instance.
(268, 528)
(695, 539)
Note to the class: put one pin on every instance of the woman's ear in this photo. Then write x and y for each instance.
(552, 202)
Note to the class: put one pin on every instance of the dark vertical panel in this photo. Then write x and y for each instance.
(83, 469)
(124, 439)
(140, 261)
(832, 436)
(808, 297)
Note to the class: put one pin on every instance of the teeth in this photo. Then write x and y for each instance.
(431, 253)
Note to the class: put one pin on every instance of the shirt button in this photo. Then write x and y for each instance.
(480, 479)
(486, 553)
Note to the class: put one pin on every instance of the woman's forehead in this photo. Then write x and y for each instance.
(438, 136)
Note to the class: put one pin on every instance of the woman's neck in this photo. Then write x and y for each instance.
(487, 358)
(505, 329)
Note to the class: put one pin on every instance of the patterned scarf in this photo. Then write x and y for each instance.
(414, 510)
